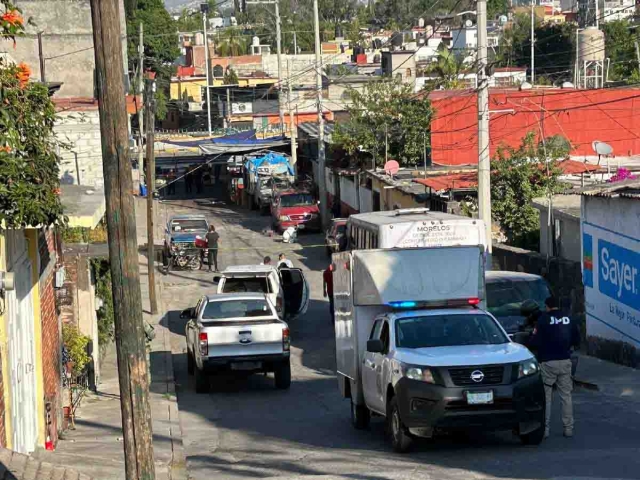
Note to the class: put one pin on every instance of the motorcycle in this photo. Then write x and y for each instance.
(186, 258)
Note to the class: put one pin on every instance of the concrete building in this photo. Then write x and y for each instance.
(561, 237)
(466, 38)
(400, 64)
(610, 266)
(67, 44)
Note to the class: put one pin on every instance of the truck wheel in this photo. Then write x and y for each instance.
(283, 376)
(401, 440)
(202, 381)
(360, 416)
(190, 364)
(535, 437)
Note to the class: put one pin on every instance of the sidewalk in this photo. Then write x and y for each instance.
(97, 441)
(608, 378)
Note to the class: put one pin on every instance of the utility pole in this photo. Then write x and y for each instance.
(386, 143)
(204, 8)
(123, 248)
(43, 77)
(293, 130)
(424, 152)
(295, 43)
(322, 186)
(150, 109)
(228, 108)
(533, 39)
(279, 51)
(484, 172)
(140, 92)
(637, 53)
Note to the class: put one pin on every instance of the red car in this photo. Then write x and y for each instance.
(295, 208)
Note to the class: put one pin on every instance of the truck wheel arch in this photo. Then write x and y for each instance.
(390, 394)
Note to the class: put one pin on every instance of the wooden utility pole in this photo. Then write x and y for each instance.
(150, 108)
(140, 92)
(322, 184)
(43, 77)
(123, 248)
(293, 129)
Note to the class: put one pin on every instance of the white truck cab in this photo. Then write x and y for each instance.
(413, 347)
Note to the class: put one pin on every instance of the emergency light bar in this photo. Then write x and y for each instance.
(464, 302)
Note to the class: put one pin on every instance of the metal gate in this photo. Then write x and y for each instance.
(22, 358)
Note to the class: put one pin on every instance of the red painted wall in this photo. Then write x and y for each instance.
(582, 116)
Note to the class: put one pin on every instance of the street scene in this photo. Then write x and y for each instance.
(369, 240)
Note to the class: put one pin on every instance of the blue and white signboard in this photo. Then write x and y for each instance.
(611, 277)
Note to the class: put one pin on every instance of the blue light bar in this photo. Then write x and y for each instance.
(402, 304)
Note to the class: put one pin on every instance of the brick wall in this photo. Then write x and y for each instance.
(50, 330)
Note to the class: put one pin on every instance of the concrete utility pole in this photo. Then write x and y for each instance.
(43, 77)
(123, 248)
(484, 163)
(322, 186)
(150, 108)
(140, 91)
(204, 8)
(293, 129)
(279, 51)
(533, 40)
(228, 108)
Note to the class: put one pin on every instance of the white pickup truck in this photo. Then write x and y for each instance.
(238, 333)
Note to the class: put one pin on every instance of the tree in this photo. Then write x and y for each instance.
(518, 175)
(495, 8)
(230, 77)
(385, 108)
(231, 43)
(29, 182)
(448, 67)
(620, 49)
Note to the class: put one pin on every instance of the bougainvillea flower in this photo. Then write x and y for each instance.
(23, 74)
(13, 18)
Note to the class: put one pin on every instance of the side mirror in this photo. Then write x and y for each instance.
(375, 346)
(187, 313)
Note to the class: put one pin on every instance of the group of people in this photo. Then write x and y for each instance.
(283, 261)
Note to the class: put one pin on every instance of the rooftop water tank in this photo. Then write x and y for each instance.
(591, 45)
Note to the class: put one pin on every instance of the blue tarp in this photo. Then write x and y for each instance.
(270, 159)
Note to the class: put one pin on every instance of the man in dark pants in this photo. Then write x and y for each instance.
(327, 286)
(188, 181)
(554, 336)
(212, 245)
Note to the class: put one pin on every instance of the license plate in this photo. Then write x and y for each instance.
(479, 398)
(246, 366)
(301, 227)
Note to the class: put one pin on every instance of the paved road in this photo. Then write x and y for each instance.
(246, 429)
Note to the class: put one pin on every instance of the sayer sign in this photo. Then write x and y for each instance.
(611, 277)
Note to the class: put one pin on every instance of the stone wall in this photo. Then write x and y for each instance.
(80, 129)
(564, 276)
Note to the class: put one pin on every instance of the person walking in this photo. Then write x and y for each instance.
(199, 182)
(212, 246)
(171, 182)
(554, 336)
(188, 181)
(327, 287)
(284, 262)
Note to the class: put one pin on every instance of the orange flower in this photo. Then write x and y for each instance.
(6, 148)
(13, 18)
(23, 74)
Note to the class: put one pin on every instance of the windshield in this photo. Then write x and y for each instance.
(188, 225)
(217, 310)
(246, 285)
(341, 229)
(505, 297)
(297, 200)
(278, 182)
(448, 330)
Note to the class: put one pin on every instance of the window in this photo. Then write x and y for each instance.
(246, 285)
(374, 243)
(375, 330)
(505, 297)
(296, 200)
(385, 337)
(218, 71)
(236, 309)
(448, 330)
(188, 225)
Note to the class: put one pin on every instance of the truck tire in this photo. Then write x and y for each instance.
(190, 364)
(536, 436)
(401, 439)
(202, 381)
(360, 416)
(283, 376)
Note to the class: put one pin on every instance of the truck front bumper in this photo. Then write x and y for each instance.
(517, 406)
(249, 363)
(313, 224)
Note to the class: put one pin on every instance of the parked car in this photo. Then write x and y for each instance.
(295, 208)
(506, 292)
(286, 288)
(336, 237)
(238, 333)
(180, 237)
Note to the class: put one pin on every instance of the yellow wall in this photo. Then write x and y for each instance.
(5, 355)
(391, 197)
(193, 88)
(32, 239)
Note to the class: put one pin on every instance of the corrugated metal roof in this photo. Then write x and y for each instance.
(311, 129)
(572, 167)
(624, 189)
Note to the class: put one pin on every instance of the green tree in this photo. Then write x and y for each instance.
(385, 108)
(620, 48)
(518, 175)
(495, 8)
(448, 67)
(230, 77)
(231, 42)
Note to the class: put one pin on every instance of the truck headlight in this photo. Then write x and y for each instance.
(421, 374)
(283, 218)
(528, 368)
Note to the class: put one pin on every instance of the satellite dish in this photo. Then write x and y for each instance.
(468, 23)
(602, 148)
(391, 167)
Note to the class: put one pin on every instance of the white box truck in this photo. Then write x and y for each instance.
(412, 346)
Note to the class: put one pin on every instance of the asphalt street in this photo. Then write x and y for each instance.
(248, 429)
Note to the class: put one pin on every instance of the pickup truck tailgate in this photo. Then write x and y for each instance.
(242, 338)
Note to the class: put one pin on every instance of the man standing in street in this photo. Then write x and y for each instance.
(327, 287)
(554, 336)
(284, 262)
(212, 245)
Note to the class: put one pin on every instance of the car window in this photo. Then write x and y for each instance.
(448, 330)
(297, 200)
(505, 297)
(246, 285)
(375, 330)
(384, 336)
(219, 310)
(341, 229)
(188, 225)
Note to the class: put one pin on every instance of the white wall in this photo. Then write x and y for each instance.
(81, 130)
(611, 234)
(349, 192)
(366, 200)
